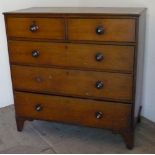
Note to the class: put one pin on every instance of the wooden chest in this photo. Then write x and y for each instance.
(78, 65)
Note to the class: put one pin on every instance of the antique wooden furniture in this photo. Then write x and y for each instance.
(78, 65)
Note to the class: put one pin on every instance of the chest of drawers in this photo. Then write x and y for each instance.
(78, 65)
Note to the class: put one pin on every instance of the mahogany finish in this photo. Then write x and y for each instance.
(36, 28)
(80, 56)
(78, 65)
(113, 29)
(73, 110)
(116, 86)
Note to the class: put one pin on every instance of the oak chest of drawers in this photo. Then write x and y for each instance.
(78, 65)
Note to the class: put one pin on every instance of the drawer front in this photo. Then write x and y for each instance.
(98, 57)
(98, 85)
(69, 110)
(122, 30)
(47, 28)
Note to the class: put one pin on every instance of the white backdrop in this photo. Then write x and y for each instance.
(6, 97)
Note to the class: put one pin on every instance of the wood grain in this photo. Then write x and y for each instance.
(76, 111)
(115, 29)
(73, 82)
(48, 28)
(83, 56)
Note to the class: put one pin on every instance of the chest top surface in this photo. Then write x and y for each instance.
(81, 10)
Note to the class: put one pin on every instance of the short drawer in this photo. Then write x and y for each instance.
(88, 84)
(119, 30)
(71, 110)
(84, 56)
(47, 28)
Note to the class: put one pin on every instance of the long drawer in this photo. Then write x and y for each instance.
(46, 28)
(98, 85)
(97, 57)
(119, 30)
(71, 110)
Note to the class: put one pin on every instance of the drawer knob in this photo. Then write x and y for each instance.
(100, 30)
(99, 57)
(38, 108)
(99, 84)
(34, 28)
(99, 115)
(35, 53)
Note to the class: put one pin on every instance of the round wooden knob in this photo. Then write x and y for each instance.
(35, 53)
(99, 115)
(100, 30)
(99, 84)
(38, 107)
(34, 28)
(99, 57)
